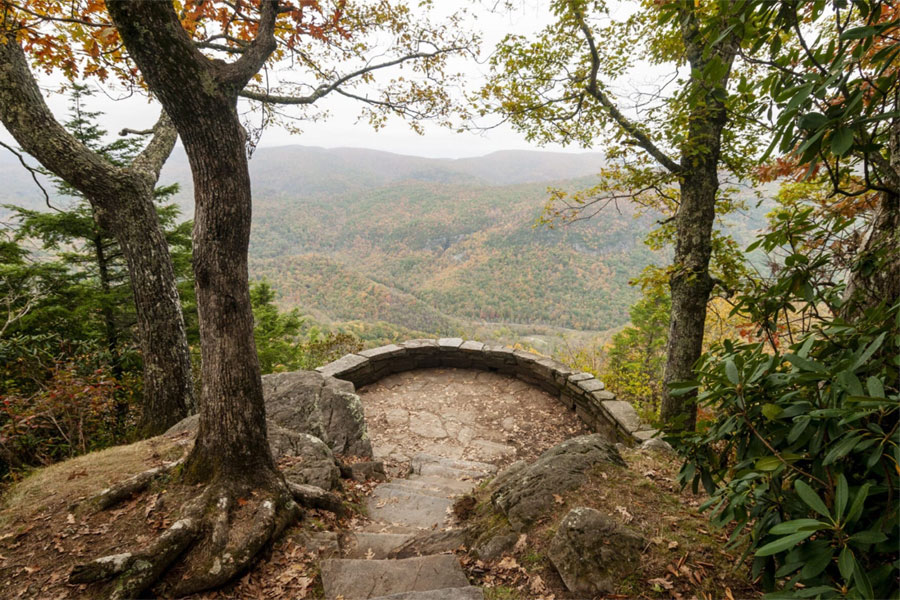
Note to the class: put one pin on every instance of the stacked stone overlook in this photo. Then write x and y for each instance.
(578, 391)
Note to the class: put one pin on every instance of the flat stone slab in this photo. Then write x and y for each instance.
(624, 413)
(373, 545)
(466, 593)
(476, 468)
(360, 579)
(452, 487)
(408, 508)
(399, 486)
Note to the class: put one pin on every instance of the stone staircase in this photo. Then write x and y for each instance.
(400, 509)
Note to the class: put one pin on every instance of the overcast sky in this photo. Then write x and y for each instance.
(341, 129)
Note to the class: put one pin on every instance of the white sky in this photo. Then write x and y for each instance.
(341, 129)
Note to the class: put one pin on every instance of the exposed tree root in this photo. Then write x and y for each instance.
(219, 534)
(125, 489)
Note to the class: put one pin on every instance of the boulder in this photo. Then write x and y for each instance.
(322, 406)
(303, 458)
(592, 552)
(524, 493)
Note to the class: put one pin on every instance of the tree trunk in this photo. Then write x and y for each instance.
(168, 386)
(200, 96)
(690, 286)
(122, 198)
(109, 322)
(875, 278)
(232, 441)
(690, 282)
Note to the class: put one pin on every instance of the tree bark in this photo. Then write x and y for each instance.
(200, 96)
(122, 198)
(690, 282)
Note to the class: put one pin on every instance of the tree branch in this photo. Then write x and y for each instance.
(640, 137)
(255, 55)
(325, 89)
(151, 159)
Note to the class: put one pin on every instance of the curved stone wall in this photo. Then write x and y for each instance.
(581, 392)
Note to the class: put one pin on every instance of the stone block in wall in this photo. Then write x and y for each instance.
(420, 347)
(449, 344)
(525, 358)
(470, 347)
(383, 352)
(567, 399)
(624, 413)
(562, 374)
(591, 385)
(346, 367)
(501, 354)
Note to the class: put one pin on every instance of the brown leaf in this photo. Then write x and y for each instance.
(662, 582)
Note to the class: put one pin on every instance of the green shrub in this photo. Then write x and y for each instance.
(803, 453)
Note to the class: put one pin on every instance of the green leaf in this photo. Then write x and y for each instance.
(771, 411)
(812, 121)
(817, 563)
(846, 564)
(868, 537)
(858, 33)
(841, 141)
(869, 351)
(782, 544)
(841, 449)
(797, 525)
(862, 582)
(811, 498)
(767, 463)
(875, 386)
(841, 496)
(804, 364)
(731, 371)
(813, 591)
(858, 501)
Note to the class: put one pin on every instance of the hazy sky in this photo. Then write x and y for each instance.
(341, 128)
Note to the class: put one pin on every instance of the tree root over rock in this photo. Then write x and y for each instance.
(219, 534)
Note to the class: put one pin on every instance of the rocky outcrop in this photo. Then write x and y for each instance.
(322, 406)
(580, 392)
(303, 458)
(524, 493)
(592, 552)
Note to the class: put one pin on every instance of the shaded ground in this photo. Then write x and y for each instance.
(463, 414)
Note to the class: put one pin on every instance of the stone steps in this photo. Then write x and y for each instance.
(400, 509)
(360, 579)
(463, 593)
(361, 544)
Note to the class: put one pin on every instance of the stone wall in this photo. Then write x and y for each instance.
(580, 392)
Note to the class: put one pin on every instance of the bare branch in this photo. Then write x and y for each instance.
(255, 55)
(325, 89)
(150, 161)
(641, 138)
(33, 172)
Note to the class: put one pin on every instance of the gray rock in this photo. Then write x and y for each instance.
(408, 508)
(363, 544)
(356, 579)
(435, 542)
(460, 593)
(309, 402)
(495, 545)
(303, 458)
(592, 552)
(524, 493)
(657, 444)
(367, 471)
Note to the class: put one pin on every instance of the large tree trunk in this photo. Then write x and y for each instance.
(232, 441)
(123, 199)
(875, 278)
(690, 282)
(200, 96)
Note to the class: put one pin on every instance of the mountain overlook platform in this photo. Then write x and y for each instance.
(580, 392)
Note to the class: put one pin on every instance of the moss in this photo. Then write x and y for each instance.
(502, 593)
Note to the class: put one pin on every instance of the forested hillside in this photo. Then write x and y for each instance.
(434, 246)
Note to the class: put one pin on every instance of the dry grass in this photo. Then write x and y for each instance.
(684, 556)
